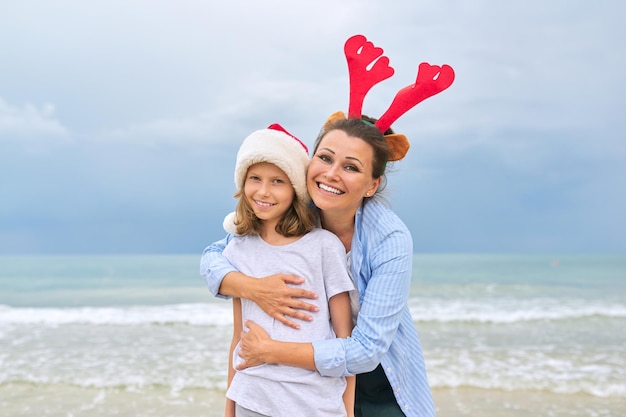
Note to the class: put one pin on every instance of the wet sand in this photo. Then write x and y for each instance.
(18, 400)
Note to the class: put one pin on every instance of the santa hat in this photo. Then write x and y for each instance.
(276, 146)
(279, 147)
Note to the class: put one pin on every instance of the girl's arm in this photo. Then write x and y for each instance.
(341, 318)
(229, 411)
(271, 294)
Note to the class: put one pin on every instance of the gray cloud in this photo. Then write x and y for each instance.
(133, 112)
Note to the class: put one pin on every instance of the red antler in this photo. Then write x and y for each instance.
(360, 54)
(431, 80)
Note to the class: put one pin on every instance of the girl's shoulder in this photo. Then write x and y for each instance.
(239, 240)
(324, 236)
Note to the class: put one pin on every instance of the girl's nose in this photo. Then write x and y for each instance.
(264, 188)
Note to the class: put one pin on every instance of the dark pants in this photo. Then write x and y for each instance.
(374, 396)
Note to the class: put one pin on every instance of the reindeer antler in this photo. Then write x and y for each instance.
(431, 80)
(360, 54)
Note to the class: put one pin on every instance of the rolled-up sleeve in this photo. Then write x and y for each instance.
(330, 357)
(214, 267)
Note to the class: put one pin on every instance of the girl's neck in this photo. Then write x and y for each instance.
(341, 225)
(272, 237)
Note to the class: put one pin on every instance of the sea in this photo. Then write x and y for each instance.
(503, 335)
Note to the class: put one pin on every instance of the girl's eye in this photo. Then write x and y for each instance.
(279, 181)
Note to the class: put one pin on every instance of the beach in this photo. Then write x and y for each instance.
(29, 400)
(503, 335)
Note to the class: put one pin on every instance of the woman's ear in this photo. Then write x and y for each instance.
(375, 184)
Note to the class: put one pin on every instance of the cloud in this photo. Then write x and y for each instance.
(251, 103)
(150, 100)
(29, 121)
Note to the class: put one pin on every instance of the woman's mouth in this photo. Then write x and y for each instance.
(329, 189)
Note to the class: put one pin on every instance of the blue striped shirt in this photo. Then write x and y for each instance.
(381, 262)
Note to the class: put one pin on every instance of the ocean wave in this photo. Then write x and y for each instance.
(422, 310)
(589, 387)
(556, 384)
(127, 383)
(511, 310)
(530, 369)
(219, 314)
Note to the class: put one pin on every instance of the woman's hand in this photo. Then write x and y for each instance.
(282, 301)
(251, 345)
(257, 348)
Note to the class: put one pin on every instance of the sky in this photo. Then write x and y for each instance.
(120, 120)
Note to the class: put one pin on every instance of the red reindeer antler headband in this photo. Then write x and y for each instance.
(367, 66)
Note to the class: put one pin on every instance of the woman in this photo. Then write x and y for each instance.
(344, 176)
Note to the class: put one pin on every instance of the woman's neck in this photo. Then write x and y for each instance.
(341, 225)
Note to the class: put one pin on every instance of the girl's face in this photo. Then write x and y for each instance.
(268, 191)
(340, 172)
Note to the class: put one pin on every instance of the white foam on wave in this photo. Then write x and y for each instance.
(423, 309)
(528, 369)
(218, 314)
(510, 310)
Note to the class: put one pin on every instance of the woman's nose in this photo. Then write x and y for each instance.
(332, 171)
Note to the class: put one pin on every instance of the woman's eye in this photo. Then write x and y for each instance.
(325, 158)
(352, 168)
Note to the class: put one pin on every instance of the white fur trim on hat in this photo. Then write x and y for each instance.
(279, 148)
(229, 223)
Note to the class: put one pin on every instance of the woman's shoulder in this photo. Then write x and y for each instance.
(382, 218)
(382, 235)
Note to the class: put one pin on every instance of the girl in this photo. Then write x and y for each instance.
(274, 232)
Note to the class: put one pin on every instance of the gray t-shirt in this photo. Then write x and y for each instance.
(279, 390)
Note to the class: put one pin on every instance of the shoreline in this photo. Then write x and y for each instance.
(28, 399)
(477, 402)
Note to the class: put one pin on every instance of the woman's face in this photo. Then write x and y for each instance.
(340, 172)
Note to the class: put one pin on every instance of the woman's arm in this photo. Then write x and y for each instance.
(229, 411)
(387, 273)
(214, 267)
(341, 318)
(271, 293)
(256, 348)
(379, 317)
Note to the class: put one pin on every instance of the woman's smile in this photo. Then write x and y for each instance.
(340, 173)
